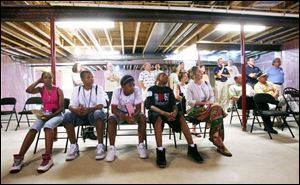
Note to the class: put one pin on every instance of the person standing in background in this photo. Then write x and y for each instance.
(173, 78)
(221, 76)
(156, 70)
(146, 80)
(76, 69)
(276, 75)
(111, 79)
(205, 76)
(233, 70)
(251, 72)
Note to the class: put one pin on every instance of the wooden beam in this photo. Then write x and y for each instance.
(109, 40)
(19, 36)
(34, 37)
(17, 49)
(265, 32)
(195, 32)
(284, 36)
(136, 35)
(276, 35)
(93, 39)
(149, 35)
(178, 34)
(122, 36)
(23, 46)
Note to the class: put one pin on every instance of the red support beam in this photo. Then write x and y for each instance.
(243, 66)
(53, 51)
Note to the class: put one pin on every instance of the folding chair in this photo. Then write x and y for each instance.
(11, 102)
(26, 112)
(261, 101)
(237, 105)
(294, 98)
(66, 106)
(194, 121)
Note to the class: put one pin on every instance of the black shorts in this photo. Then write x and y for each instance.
(175, 125)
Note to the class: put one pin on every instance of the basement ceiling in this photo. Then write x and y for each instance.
(30, 41)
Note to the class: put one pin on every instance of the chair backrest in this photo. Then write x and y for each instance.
(294, 97)
(249, 103)
(291, 91)
(67, 103)
(8, 101)
(34, 100)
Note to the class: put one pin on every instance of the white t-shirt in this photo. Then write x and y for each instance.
(111, 85)
(88, 98)
(147, 78)
(120, 99)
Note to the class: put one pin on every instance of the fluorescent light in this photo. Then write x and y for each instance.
(85, 24)
(237, 28)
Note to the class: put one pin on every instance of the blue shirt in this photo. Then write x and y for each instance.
(275, 75)
(249, 70)
(225, 72)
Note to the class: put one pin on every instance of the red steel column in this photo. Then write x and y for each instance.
(243, 60)
(53, 51)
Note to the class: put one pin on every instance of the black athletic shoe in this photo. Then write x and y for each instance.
(161, 158)
(193, 152)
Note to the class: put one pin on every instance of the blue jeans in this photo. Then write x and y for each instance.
(91, 118)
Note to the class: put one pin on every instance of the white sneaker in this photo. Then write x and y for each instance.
(73, 152)
(142, 151)
(111, 153)
(100, 152)
(46, 164)
(17, 165)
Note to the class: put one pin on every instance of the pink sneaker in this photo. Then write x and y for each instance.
(47, 163)
(17, 165)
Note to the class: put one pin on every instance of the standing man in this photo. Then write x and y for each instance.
(146, 80)
(251, 72)
(111, 79)
(221, 77)
(276, 75)
(156, 70)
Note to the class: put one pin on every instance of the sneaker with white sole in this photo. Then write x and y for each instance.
(111, 153)
(47, 163)
(100, 152)
(73, 152)
(142, 151)
(17, 165)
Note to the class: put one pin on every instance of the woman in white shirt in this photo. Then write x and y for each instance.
(200, 98)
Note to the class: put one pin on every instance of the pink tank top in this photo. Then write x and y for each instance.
(50, 101)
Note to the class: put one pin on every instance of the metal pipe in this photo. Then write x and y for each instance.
(53, 51)
(243, 60)
(192, 9)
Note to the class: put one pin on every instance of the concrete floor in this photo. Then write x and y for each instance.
(256, 159)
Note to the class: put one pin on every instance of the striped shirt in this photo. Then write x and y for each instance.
(147, 78)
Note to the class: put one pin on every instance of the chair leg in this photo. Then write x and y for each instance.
(252, 124)
(146, 142)
(78, 129)
(66, 145)
(180, 135)
(169, 133)
(238, 114)
(106, 137)
(150, 128)
(200, 128)
(7, 123)
(285, 123)
(231, 115)
(174, 139)
(18, 125)
(205, 129)
(27, 120)
(37, 142)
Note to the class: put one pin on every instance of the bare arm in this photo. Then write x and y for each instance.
(32, 89)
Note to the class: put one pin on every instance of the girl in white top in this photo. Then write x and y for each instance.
(126, 107)
(180, 91)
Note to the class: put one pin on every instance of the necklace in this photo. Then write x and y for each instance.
(85, 100)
